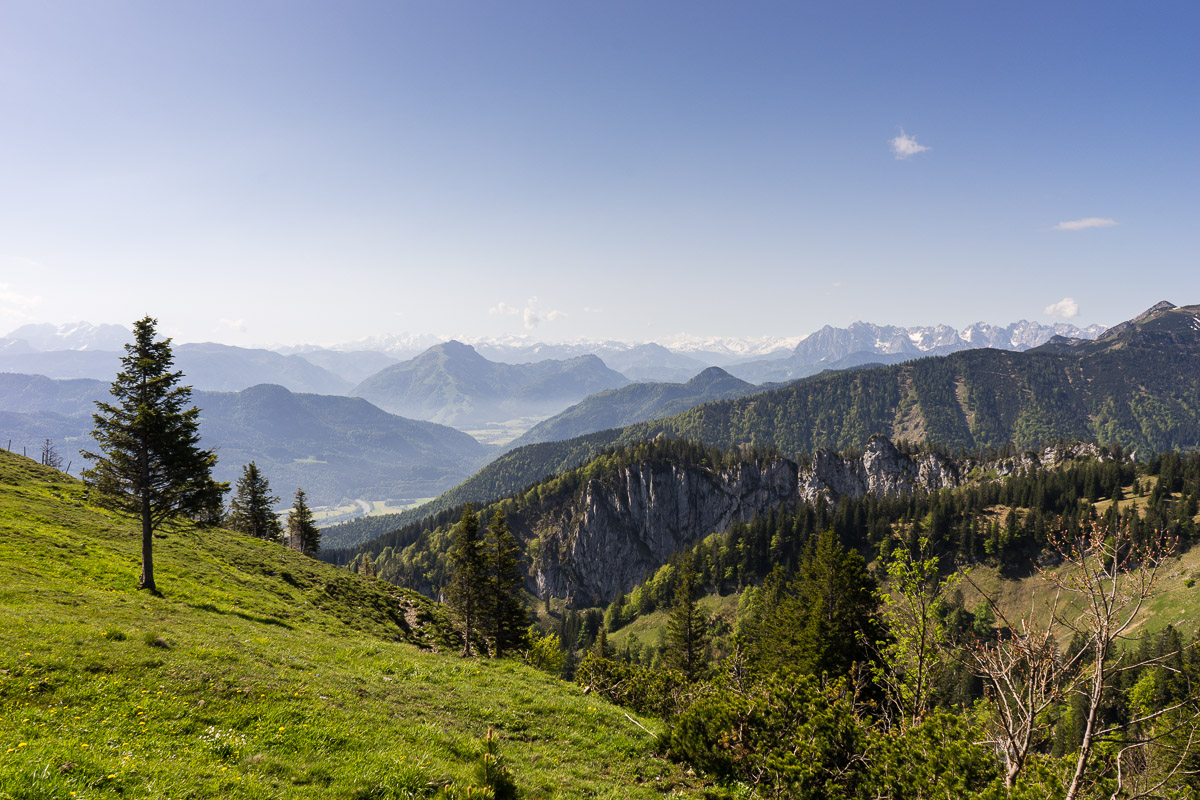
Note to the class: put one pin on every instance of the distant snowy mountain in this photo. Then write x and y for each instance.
(721, 350)
(674, 359)
(45, 337)
(865, 343)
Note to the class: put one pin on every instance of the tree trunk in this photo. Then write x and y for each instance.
(147, 581)
(1085, 747)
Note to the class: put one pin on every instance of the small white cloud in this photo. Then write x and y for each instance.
(19, 301)
(590, 310)
(905, 146)
(1085, 223)
(238, 325)
(1063, 309)
(531, 314)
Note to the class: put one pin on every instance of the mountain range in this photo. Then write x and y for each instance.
(333, 447)
(207, 365)
(596, 532)
(676, 359)
(1137, 385)
(864, 343)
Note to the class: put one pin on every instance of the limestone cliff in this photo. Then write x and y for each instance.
(621, 528)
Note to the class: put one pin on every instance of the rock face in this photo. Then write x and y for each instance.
(882, 469)
(622, 530)
(619, 530)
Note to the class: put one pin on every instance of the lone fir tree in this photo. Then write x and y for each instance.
(302, 532)
(467, 576)
(504, 609)
(250, 510)
(150, 464)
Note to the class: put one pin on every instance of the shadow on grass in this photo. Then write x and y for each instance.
(242, 614)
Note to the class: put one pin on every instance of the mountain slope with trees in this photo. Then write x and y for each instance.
(635, 403)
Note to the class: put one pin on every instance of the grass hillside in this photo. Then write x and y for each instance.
(259, 673)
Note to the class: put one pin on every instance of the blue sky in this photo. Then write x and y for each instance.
(255, 172)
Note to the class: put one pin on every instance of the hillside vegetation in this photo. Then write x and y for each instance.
(260, 673)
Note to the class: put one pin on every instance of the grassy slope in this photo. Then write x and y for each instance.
(258, 674)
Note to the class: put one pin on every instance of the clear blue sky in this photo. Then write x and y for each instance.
(255, 172)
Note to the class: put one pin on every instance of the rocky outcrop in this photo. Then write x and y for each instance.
(1052, 456)
(882, 469)
(620, 529)
(623, 529)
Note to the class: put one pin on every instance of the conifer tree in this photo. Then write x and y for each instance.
(150, 464)
(686, 633)
(601, 648)
(303, 533)
(250, 510)
(468, 575)
(506, 619)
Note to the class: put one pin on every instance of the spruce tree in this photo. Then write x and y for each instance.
(250, 510)
(303, 533)
(468, 576)
(504, 608)
(686, 631)
(150, 464)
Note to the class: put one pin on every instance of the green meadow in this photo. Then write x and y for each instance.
(260, 673)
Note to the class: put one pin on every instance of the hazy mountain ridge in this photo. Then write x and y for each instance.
(635, 403)
(334, 447)
(206, 366)
(453, 384)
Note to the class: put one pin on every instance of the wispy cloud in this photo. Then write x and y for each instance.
(1085, 223)
(238, 325)
(905, 146)
(12, 299)
(531, 315)
(15, 307)
(1063, 309)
